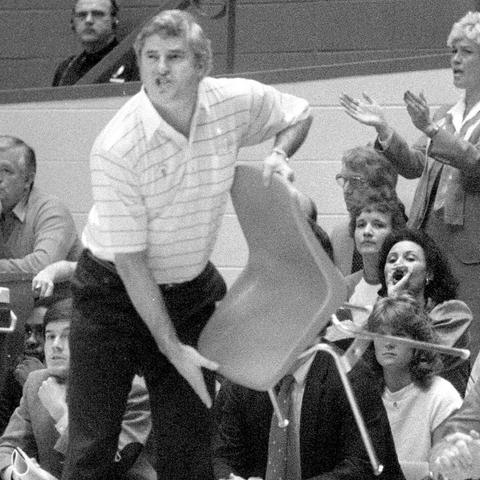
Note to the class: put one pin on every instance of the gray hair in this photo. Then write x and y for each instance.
(178, 23)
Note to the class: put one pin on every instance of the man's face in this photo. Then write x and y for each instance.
(353, 188)
(57, 348)
(93, 23)
(34, 336)
(14, 182)
(169, 71)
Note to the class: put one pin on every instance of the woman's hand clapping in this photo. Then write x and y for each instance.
(419, 111)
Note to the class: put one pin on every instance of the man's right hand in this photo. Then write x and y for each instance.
(189, 363)
(23, 369)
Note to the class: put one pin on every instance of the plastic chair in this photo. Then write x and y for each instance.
(285, 295)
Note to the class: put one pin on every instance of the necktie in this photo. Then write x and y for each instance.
(7, 222)
(283, 447)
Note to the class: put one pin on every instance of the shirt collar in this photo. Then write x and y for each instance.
(151, 118)
(457, 113)
(300, 374)
(20, 209)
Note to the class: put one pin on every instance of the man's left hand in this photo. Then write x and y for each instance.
(276, 163)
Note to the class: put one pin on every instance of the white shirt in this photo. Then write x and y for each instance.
(156, 191)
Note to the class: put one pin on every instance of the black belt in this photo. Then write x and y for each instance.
(110, 266)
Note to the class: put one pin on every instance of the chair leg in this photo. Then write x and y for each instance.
(282, 421)
(343, 366)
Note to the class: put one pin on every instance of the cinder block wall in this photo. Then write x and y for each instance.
(63, 132)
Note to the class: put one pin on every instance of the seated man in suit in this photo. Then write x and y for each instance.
(39, 425)
(35, 229)
(327, 439)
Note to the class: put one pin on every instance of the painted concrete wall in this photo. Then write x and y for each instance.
(63, 132)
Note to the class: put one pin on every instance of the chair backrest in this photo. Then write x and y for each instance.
(284, 296)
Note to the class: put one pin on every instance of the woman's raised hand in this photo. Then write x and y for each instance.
(367, 111)
(418, 109)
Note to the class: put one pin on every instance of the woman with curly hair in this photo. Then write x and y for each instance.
(417, 400)
(372, 219)
(411, 261)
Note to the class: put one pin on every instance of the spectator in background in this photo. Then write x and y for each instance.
(364, 171)
(446, 160)
(32, 359)
(39, 426)
(372, 219)
(95, 23)
(417, 400)
(456, 453)
(35, 229)
(411, 261)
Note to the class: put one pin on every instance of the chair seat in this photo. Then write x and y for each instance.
(284, 296)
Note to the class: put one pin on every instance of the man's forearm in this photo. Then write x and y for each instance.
(290, 139)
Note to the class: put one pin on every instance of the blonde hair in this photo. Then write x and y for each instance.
(468, 27)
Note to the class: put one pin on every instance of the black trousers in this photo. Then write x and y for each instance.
(109, 344)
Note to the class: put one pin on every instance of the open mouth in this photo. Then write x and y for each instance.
(398, 275)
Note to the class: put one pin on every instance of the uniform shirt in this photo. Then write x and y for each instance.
(156, 191)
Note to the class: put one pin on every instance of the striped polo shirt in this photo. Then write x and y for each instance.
(156, 191)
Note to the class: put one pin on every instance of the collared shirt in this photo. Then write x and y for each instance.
(41, 231)
(156, 191)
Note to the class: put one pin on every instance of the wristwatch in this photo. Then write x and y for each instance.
(281, 152)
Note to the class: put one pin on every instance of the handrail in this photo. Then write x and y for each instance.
(289, 75)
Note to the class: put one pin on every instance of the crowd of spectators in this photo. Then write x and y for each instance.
(110, 383)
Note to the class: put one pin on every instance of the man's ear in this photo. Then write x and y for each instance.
(200, 67)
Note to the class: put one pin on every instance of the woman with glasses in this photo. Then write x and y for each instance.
(446, 159)
(364, 171)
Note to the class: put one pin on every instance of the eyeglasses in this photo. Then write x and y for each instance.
(96, 14)
(354, 180)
